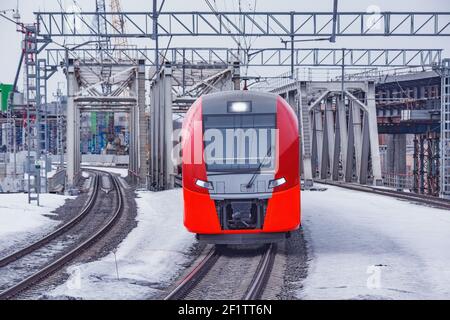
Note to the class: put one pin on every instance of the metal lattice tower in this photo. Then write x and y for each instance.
(42, 117)
(60, 129)
(11, 131)
(445, 130)
(103, 43)
(36, 130)
(33, 100)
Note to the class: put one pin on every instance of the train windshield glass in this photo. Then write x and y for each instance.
(239, 142)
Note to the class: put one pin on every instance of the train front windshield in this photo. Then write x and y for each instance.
(239, 142)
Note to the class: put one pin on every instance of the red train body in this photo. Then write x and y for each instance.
(240, 153)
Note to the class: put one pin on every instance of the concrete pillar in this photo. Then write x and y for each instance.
(400, 154)
(396, 158)
(73, 132)
(390, 152)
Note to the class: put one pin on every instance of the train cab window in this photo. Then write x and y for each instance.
(239, 142)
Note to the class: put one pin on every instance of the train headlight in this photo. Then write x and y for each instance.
(276, 182)
(239, 106)
(204, 184)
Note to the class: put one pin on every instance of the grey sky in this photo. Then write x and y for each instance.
(11, 40)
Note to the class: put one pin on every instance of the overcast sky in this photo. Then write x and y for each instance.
(11, 40)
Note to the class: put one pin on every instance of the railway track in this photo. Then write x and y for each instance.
(49, 268)
(413, 197)
(200, 271)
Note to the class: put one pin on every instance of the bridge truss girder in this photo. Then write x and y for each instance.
(339, 137)
(321, 57)
(84, 83)
(262, 24)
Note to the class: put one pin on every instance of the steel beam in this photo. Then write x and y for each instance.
(142, 143)
(258, 24)
(305, 135)
(343, 131)
(337, 146)
(373, 133)
(331, 57)
(364, 170)
(318, 137)
(348, 169)
(330, 130)
(162, 168)
(357, 136)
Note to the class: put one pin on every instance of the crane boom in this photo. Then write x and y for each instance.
(119, 24)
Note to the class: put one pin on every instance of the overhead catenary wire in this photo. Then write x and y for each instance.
(211, 7)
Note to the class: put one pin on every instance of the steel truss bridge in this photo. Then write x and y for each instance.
(290, 27)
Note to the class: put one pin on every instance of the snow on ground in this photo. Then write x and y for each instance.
(20, 220)
(149, 258)
(361, 246)
(123, 172)
(364, 246)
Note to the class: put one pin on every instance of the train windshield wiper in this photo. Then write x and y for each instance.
(224, 173)
(258, 170)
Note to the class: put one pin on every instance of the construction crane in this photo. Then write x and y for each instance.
(119, 24)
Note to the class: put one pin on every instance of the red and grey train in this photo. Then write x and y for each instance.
(240, 164)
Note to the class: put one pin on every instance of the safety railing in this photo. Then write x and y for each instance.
(398, 181)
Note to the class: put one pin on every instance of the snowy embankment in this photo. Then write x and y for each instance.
(20, 220)
(147, 260)
(364, 246)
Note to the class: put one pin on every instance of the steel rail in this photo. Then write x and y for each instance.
(255, 289)
(59, 263)
(195, 276)
(53, 235)
(418, 198)
(262, 274)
